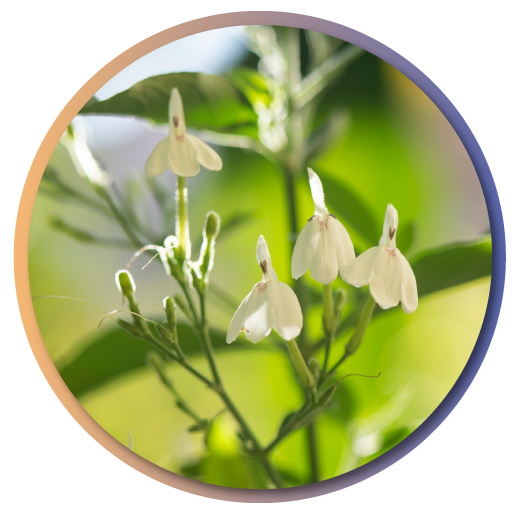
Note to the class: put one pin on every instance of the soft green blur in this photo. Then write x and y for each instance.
(398, 148)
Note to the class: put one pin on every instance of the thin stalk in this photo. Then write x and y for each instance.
(313, 453)
(359, 332)
(121, 219)
(182, 230)
(328, 322)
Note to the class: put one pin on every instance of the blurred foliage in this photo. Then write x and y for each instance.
(374, 138)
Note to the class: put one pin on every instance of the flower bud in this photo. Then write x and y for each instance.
(325, 398)
(169, 309)
(125, 283)
(340, 298)
(165, 334)
(314, 366)
(212, 225)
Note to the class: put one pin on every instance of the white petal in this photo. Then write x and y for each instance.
(324, 256)
(176, 110)
(301, 257)
(258, 324)
(285, 314)
(182, 157)
(317, 193)
(262, 255)
(251, 315)
(159, 160)
(205, 154)
(344, 247)
(409, 296)
(360, 271)
(389, 227)
(385, 286)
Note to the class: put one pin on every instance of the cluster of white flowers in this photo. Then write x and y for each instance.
(324, 247)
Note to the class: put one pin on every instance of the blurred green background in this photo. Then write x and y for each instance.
(393, 146)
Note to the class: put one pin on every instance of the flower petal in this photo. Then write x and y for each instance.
(262, 255)
(360, 271)
(301, 257)
(409, 296)
(257, 323)
(344, 247)
(324, 256)
(159, 160)
(176, 110)
(385, 286)
(317, 193)
(205, 154)
(285, 314)
(182, 156)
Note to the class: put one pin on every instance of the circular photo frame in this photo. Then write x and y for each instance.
(370, 467)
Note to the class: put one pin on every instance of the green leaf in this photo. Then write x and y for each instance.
(114, 353)
(451, 265)
(210, 102)
(351, 207)
(253, 85)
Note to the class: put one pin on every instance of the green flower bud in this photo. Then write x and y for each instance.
(165, 334)
(212, 225)
(125, 283)
(314, 366)
(340, 298)
(169, 309)
(325, 398)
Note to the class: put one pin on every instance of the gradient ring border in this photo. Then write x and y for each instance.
(22, 240)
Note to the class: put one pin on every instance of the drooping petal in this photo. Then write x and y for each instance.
(385, 286)
(205, 154)
(159, 160)
(251, 316)
(409, 296)
(344, 247)
(176, 114)
(262, 255)
(238, 321)
(285, 314)
(303, 249)
(360, 271)
(317, 193)
(182, 156)
(389, 228)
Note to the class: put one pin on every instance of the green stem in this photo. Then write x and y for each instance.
(313, 452)
(182, 230)
(359, 332)
(304, 374)
(121, 219)
(328, 322)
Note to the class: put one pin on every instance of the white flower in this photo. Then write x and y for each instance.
(270, 305)
(324, 244)
(387, 271)
(181, 152)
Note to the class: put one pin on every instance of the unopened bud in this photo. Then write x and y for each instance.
(314, 366)
(165, 334)
(169, 309)
(58, 224)
(125, 283)
(340, 298)
(212, 225)
(325, 398)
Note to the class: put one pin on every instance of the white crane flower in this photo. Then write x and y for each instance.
(324, 245)
(181, 152)
(385, 269)
(270, 305)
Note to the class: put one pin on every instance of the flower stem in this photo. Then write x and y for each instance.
(313, 453)
(359, 332)
(304, 374)
(328, 322)
(182, 230)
